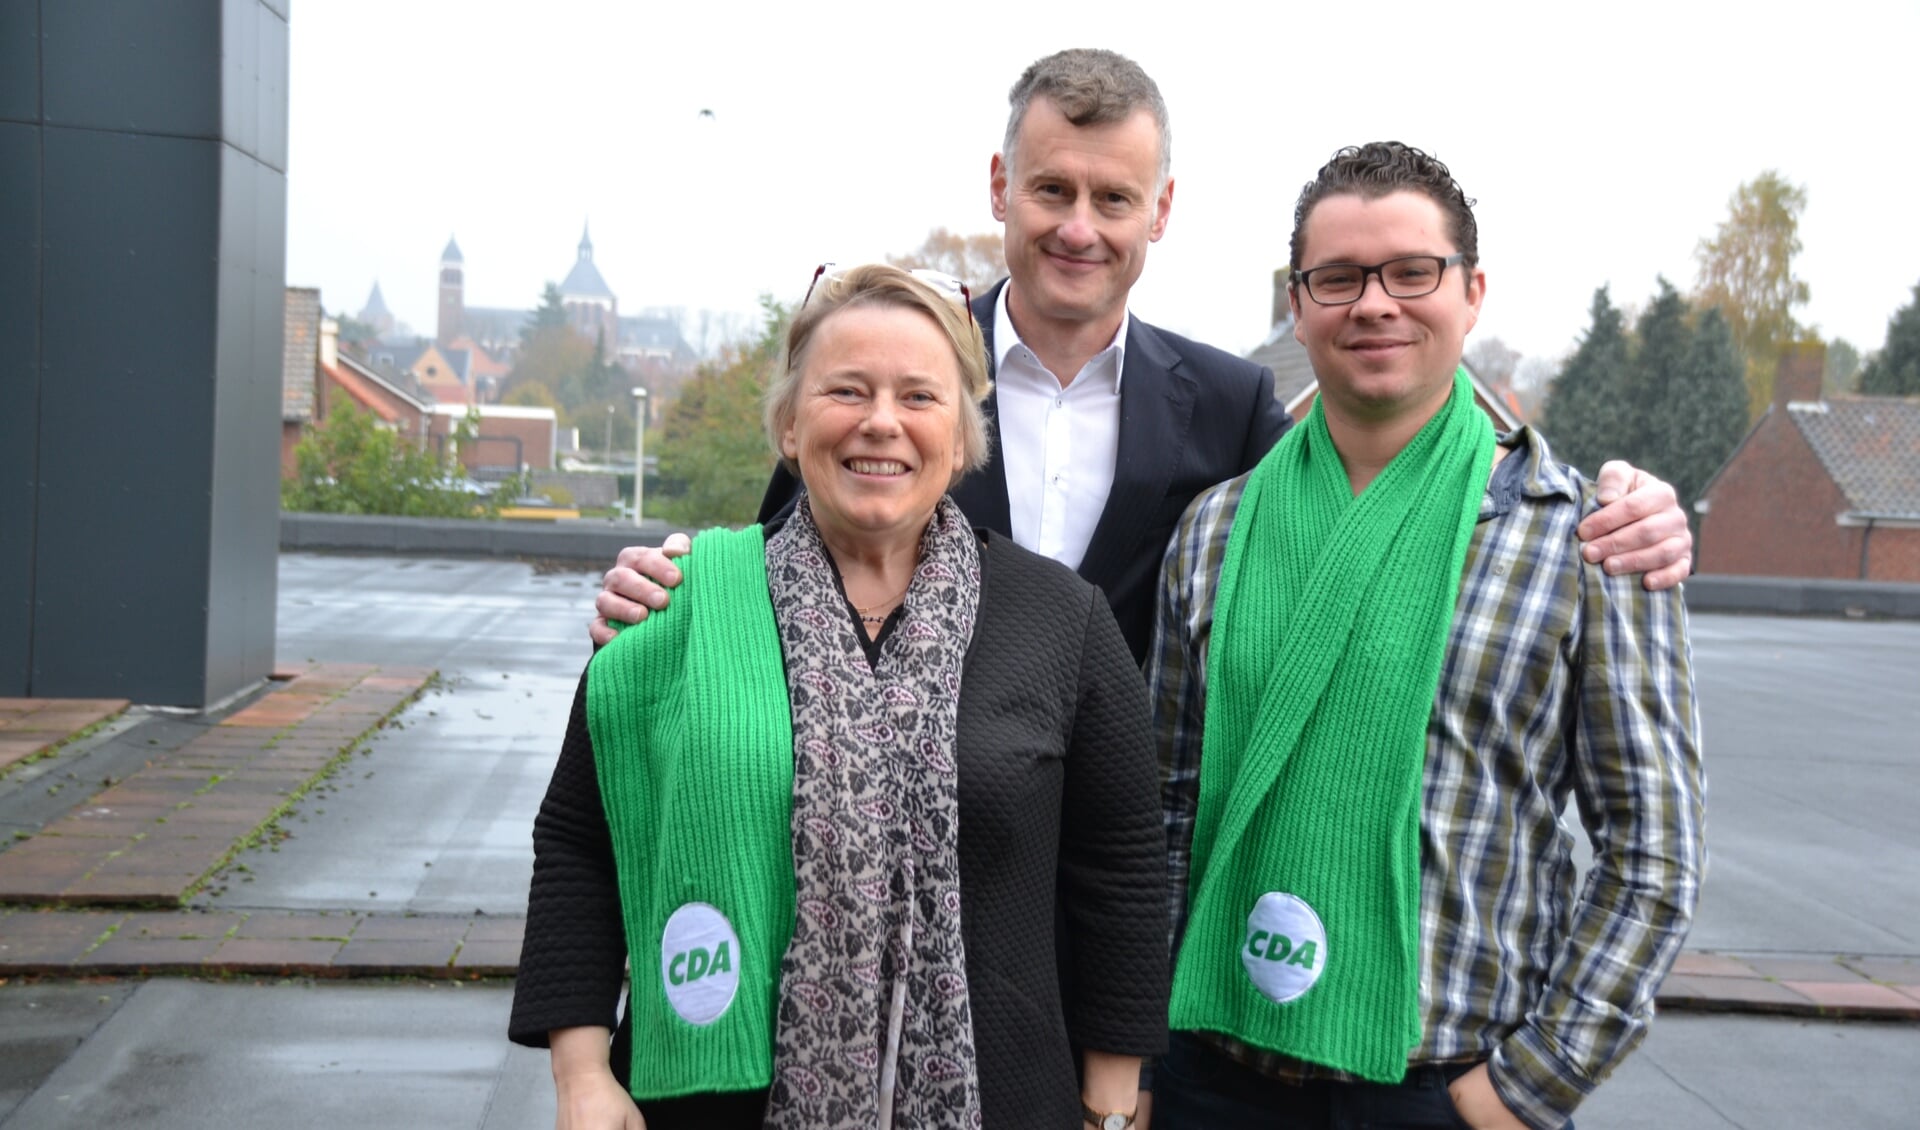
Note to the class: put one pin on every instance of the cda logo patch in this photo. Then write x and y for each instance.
(1286, 947)
(699, 963)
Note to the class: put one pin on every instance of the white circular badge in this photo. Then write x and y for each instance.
(699, 963)
(1285, 947)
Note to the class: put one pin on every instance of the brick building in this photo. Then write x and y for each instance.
(1819, 488)
(316, 376)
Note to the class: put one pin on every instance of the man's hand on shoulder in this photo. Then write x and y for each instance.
(637, 584)
(1639, 528)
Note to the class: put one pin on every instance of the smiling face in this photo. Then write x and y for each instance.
(1383, 358)
(1080, 204)
(876, 424)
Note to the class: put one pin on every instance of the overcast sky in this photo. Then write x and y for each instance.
(1602, 142)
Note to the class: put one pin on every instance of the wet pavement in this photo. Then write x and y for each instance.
(1814, 836)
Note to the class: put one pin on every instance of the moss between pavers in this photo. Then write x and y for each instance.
(54, 748)
(332, 766)
(259, 828)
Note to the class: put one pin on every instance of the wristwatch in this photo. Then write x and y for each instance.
(1112, 1120)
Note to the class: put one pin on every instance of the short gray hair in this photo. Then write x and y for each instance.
(1091, 87)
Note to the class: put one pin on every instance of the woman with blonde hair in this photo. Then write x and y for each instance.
(831, 804)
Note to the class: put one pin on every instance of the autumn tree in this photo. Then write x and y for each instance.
(712, 449)
(977, 260)
(1895, 370)
(1583, 401)
(1746, 272)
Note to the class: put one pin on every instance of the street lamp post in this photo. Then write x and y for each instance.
(639, 451)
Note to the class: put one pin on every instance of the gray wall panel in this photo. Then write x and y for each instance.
(133, 65)
(144, 257)
(128, 395)
(274, 68)
(19, 392)
(19, 60)
(244, 532)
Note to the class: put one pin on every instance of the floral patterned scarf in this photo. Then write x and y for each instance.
(874, 1026)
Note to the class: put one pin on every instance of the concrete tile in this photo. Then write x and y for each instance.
(497, 958)
(284, 955)
(1855, 997)
(294, 927)
(1801, 968)
(178, 924)
(385, 928)
(497, 929)
(120, 952)
(1711, 965)
(1731, 992)
(1887, 970)
(414, 958)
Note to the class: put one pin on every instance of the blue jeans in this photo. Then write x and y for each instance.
(1198, 1088)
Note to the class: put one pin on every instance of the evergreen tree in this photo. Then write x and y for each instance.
(1653, 384)
(1582, 418)
(551, 314)
(1895, 370)
(1705, 411)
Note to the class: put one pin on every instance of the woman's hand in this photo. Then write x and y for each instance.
(1479, 1104)
(590, 1098)
(599, 1102)
(1111, 1082)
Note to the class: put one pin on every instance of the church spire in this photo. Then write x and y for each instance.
(586, 244)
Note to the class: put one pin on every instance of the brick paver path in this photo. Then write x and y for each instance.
(32, 726)
(120, 942)
(151, 838)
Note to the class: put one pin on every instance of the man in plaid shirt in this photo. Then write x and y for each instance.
(1510, 993)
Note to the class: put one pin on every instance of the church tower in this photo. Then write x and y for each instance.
(592, 309)
(453, 299)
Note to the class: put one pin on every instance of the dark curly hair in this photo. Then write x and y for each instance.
(1379, 168)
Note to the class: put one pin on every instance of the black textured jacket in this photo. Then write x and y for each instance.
(1058, 792)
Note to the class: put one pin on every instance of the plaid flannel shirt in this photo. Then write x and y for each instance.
(1557, 680)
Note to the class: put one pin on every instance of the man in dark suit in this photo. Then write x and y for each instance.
(1106, 427)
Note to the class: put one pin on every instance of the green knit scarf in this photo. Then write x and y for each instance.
(693, 744)
(1330, 623)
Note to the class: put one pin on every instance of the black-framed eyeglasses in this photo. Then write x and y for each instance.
(943, 284)
(1410, 276)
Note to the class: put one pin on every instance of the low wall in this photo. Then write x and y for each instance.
(595, 544)
(591, 544)
(1789, 596)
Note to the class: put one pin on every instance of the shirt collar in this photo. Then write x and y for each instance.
(1528, 469)
(1005, 338)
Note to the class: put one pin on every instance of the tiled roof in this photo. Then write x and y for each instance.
(1871, 447)
(299, 353)
(1292, 372)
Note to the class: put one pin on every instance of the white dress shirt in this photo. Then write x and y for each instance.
(1058, 444)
